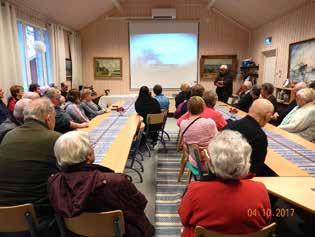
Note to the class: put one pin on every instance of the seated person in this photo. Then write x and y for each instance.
(88, 106)
(278, 117)
(82, 186)
(64, 123)
(183, 95)
(162, 99)
(222, 204)
(4, 112)
(196, 90)
(301, 120)
(16, 120)
(73, 108)
(245, 89)
(195, 129)
(267, 90)
(250, 127)
(30, 95)
(16, 94)
(246, 101)
(210, 98)
(64, 89)
(35, 88)
(27, 160)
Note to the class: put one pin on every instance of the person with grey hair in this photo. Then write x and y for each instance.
(64, 122)
(30, 95)
(224, 83)
(90, 109)
(16, 120)
(301, 120)
(82, 186)
(246, 101)
(202, 203)
(27, 160)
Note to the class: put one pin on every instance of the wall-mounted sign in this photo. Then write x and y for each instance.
(268, 40)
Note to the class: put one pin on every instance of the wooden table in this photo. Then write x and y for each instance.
(299, 191)
(279, 164)
(117, 155)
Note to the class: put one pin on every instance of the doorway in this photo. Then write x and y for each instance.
(270, 59)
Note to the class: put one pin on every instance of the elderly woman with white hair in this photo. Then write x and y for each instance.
(82, 186)
(301, 120)
(225, 204)
(90, 109)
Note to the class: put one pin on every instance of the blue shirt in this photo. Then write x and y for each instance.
(163, 101)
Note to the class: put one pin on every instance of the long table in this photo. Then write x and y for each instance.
(112, 136)
(288, 154)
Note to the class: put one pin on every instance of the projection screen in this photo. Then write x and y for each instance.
(163, 52)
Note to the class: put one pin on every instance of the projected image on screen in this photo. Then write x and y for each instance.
(163, 58)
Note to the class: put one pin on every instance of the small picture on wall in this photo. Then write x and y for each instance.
(302, 61)
(107, 68)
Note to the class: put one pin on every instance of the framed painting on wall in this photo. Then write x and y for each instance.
(107, 68)
(210, 64)
(302, 61)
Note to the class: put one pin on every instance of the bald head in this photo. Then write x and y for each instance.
(261, 110)
(299, 86)
(19, 108)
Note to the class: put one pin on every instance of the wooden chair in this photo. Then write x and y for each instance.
(264, 232)
(155, 124)
(103, 224)
(20, 218)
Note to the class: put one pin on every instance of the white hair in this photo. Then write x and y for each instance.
(19, 108)
(30, 95)
(38, 109)
(248, 84)
(306, 94)
(224, 67)
(72, 148)
(230, 155)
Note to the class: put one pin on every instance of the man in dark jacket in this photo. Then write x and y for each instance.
(224, 84)
(84, 187)
(267, 90)
(4, 112)
(246, 101)
(250, 127)
(27, 160)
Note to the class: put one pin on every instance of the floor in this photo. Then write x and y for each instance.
(148, 187)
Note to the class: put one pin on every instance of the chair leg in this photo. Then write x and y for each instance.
(182, 167)
(141, 155)
(31, 224)
(141, 166)
(137, 171)
(168, 136)
(148, 149)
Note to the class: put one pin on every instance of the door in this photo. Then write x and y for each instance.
(269, 66)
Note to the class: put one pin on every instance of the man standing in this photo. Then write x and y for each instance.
(224, 84)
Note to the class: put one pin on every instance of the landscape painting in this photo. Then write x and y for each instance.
(302, 61)
(107, 68)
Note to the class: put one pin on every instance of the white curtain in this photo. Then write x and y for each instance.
(56, 37)
(76, 57)
(10, 63)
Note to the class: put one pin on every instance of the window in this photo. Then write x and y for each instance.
(34, 49)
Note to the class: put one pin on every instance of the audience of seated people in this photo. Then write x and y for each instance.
(266, 92)
(196, 129)
(16, 94)
(301, 119)
(64, 122)
(250, 127)
(210, 98)
(82, 186)
(27, 160)
(73, 107)
(222, 204)
(14, 120)
(196, 90)
(162, 99)
(35, 88)
(183, 95)
(4, 112)
(246, 101)
(278, 117)
(88, 106)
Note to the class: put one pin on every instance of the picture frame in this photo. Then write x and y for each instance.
(107, 68)
(210, 64)
(301, 66)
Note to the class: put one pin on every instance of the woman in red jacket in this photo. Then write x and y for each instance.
(230, 204)
(16, 94)
(84, 187)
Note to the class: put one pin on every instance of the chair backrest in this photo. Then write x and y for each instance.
(153, 119)
(103, 224)
(264, 232)
(18, 218)
(193, 151)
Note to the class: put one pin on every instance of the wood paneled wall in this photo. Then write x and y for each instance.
(109, 38)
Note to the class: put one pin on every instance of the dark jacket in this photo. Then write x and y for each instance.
(274, 102)
(245, 102)
(93, 188)
(26, 162)
(226, 91)
(181, 97)
(63, 120)
(283, 113)
(4, 112)
(9, 124)
(256, 137)
(147, 106)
